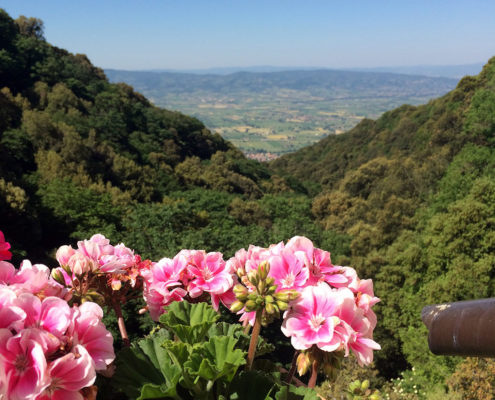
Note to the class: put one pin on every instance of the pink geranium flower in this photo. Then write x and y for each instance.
(32, 277)
(52, 314)
(288, 270)
(23, 364)
(312, 317)
(87, 330)
(11, 315)
(80, 264)
(226, 298)
(5, 254)
(316, 260)
(69, 374)
(64, 253)
(159, 295)
(7, 272)
(361, 341)
(209, 272)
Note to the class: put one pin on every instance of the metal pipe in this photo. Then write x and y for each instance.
(463, 328)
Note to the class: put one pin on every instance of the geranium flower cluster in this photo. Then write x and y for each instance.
(333, 310)
(48, 350)
(192, 275)
(117, 263)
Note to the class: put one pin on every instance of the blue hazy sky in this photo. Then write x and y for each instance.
(190, 34)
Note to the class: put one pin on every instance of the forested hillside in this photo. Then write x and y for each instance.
(415, 192)
(79, 155)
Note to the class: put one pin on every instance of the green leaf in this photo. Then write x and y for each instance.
(225, 329)
(189, 322)
(252, 385)
(152, 347)
(179, 352)
(295, 393)
(216, 359)
(152, 391)
(146, 371)
(237, 331)
(133, 370)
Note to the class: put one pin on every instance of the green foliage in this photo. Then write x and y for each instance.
(193, 358)
(189, 323)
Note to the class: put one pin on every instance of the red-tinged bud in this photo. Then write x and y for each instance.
(67, 269)
(263, 270)
(240, 272)
(303, 363)
(58, 276)
(253, 277)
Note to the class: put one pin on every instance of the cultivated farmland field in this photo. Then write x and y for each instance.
(270, 114)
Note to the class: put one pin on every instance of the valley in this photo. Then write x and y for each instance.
(273, 113)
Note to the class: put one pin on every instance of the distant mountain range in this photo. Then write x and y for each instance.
(281, 111)
(446, 71)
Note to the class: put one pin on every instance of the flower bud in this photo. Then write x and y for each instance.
(236, 306)
(64, 253)
(272, 289)
(250, 305)
(260, 301)
(261, 287)
(375, 396)
(116, 284)
(253, 277)
(252, 296)
(282, 305)
(58, 276)
(240, 272)
(263, 270)
(241, 292)
(269, 299)
(303, 363)
(79, 264)
(67, 269)
(293, 294)
(270, 281)
(365, 384)
(282, 296)
(269, 308)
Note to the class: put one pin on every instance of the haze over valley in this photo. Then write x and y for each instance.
(267, 114)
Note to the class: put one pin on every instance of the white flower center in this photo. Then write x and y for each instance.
(289, 280)
(316, 321)
(207, 275)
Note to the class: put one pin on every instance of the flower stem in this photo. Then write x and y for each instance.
(314, 373)
(121, 323)
(254, 341)
(292, 367)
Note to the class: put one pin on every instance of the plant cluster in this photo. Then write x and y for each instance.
(52, 340)
(50, 347)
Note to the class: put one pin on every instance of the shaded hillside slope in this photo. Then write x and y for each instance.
(412, 131)
(76, 152)
(414, 191)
